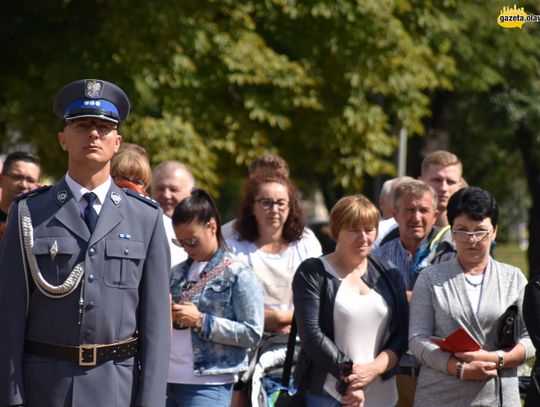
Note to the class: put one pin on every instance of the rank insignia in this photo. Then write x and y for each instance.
(61, 196)
(115, 198)
(124, 236)
(93, 89)
(53, 251)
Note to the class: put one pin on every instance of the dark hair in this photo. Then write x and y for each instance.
(200, 207)
(246, 224)
(476, 203)
(18, 156)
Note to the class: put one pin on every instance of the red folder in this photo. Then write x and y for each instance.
(458, 341)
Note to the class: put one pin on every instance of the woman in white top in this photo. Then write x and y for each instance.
(352, 315)
(273, 240)
(217, 310)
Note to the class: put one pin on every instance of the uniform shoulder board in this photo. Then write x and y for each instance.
(141, 197)
(32, 193)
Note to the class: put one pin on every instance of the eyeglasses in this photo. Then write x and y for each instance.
(21, 178)
(464, 236)
(267, 203)
(191, 242)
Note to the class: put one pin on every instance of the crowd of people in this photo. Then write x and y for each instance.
(119, 285)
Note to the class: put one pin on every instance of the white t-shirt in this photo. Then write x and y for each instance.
(360, 326)
(181, 362)
(276, 271)
(178, 255)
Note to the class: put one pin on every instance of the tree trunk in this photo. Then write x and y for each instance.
(526, 140)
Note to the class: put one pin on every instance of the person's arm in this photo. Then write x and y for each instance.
(277, 320)
(13, 303)
(364, 374)
(247, 301)
(154, 318)
(307, 301)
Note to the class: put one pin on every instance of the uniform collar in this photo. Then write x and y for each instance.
(78, 190)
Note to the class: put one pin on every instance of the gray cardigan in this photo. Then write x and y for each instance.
(439, 305)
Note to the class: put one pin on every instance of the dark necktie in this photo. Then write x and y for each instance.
(90, 214)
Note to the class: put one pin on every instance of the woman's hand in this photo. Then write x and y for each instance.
(479, 370)
(186, 314)
(353, 398)
(361, 376)
(478, 355)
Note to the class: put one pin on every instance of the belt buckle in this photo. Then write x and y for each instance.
(82, 358)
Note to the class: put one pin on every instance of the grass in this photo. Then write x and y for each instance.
(510, 253)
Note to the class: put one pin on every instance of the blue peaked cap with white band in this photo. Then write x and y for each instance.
(91, 98)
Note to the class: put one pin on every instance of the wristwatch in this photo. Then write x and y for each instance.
(500, 355)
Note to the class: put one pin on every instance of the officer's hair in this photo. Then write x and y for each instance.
(198, 207)
(442, 158)
(415, 188)
(18, 156)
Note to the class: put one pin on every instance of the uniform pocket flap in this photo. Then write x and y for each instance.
(126, 249)
(46, 245)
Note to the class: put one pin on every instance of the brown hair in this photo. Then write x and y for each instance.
(440, 157)
(246, 224)
(352, 211)
(131, 165)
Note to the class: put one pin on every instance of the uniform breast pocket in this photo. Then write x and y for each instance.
(55, 257)
(124, 262)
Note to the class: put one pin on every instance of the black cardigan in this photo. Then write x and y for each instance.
(314, 292)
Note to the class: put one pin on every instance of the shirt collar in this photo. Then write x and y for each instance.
(78, 190)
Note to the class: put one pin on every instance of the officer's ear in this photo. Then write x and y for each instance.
(62, 140)
(118, 142)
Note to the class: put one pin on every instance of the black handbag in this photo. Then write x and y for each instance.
(507, 328)
(285, 398)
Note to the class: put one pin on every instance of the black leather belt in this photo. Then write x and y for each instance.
(412, 371)
(83, 355)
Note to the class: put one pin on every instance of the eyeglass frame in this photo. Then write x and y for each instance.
(471, 234)
(280, 203)
(191, 242)
(21, 178)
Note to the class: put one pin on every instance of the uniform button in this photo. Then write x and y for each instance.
(92, 251)
(91, 278)
(126, 251)
(89, 332)
(90, 305)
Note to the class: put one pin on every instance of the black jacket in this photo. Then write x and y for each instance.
(314, 292)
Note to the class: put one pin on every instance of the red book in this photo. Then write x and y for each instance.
(458, 341)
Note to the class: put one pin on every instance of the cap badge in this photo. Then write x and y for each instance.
(61, 196)
(115, 198)
(53, 251)
(93, 89)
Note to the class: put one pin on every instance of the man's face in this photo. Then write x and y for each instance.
(21, 177)
(169, 187)
(444, 180)
(415, 217)
(90, 141)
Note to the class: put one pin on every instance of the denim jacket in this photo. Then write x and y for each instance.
(234, 315)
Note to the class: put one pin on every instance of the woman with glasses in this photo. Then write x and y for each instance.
(472, 292)
(352, 316)
(271, 238)
(217, 309)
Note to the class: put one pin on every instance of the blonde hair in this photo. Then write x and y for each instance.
(352, 211)
(440, 157)
(130, 164)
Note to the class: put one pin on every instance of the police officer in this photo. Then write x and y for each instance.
(84, 301)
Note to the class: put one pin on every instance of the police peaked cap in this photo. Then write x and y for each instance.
(91, 98)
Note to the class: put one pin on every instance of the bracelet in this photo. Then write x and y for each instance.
(500, 355)
(459, 370)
